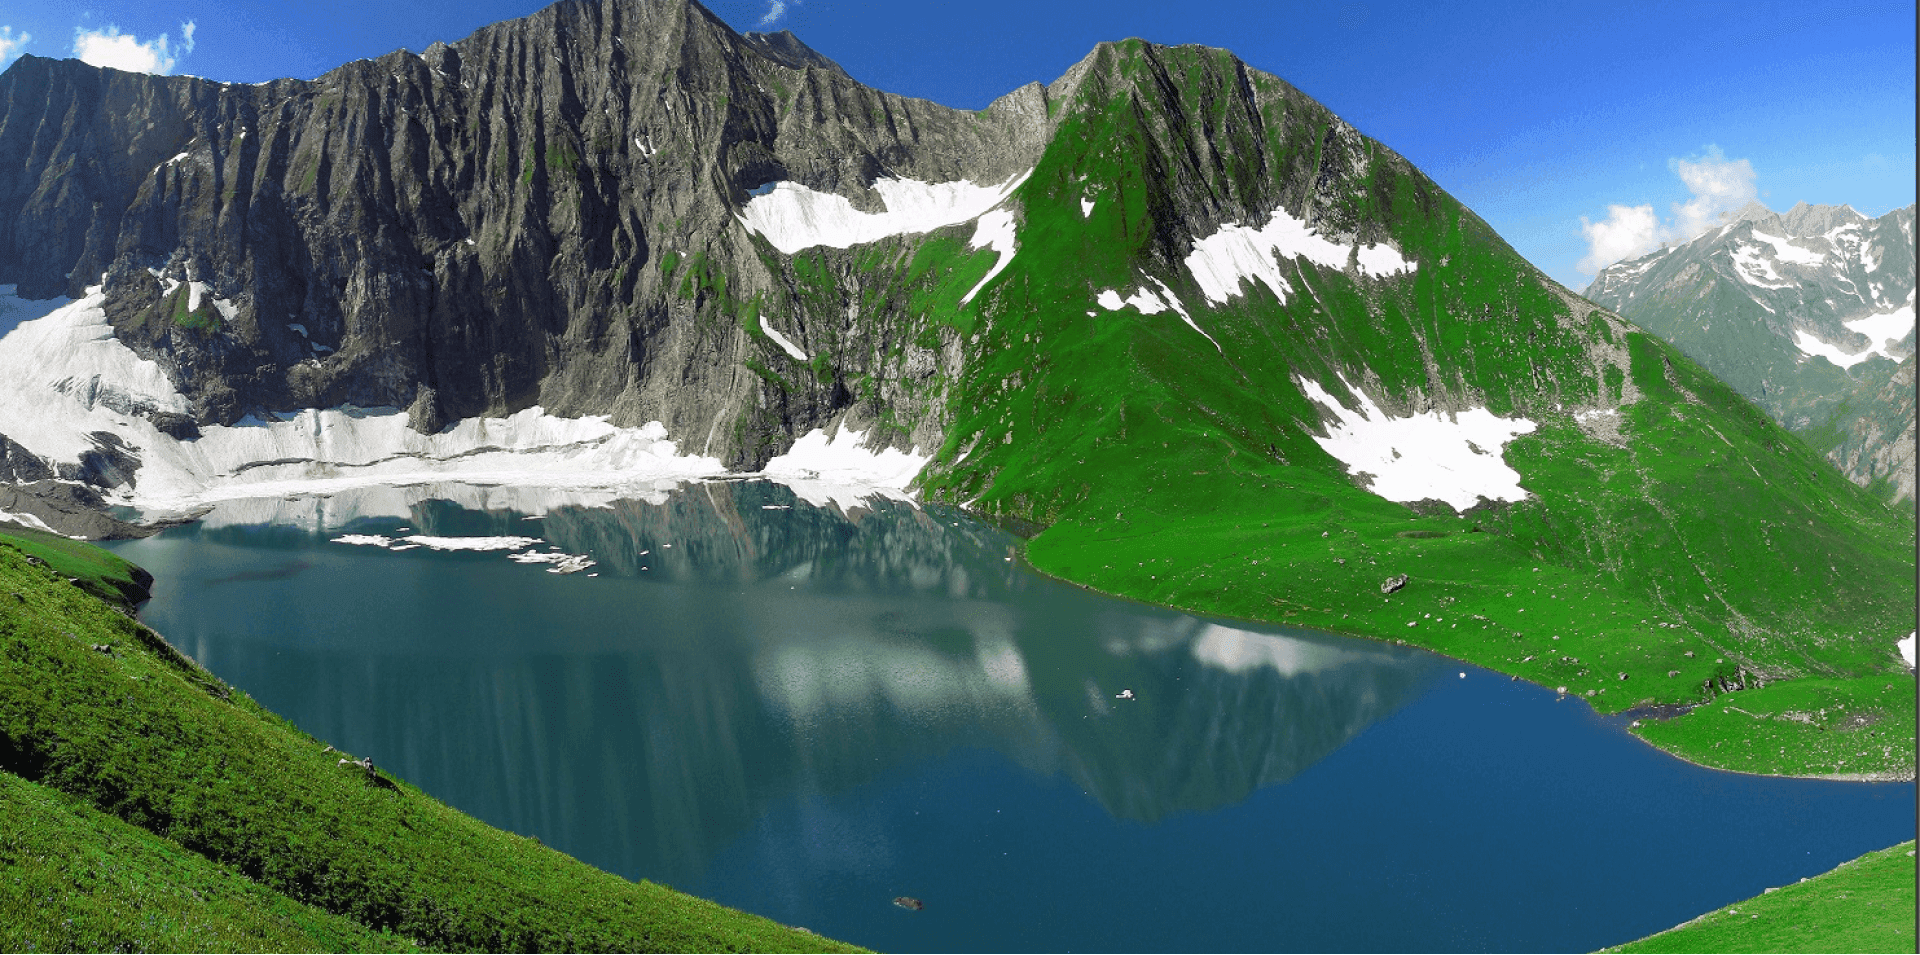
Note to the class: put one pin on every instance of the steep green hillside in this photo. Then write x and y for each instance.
(1865, 905)
(1675, 547)
(143, 780)
(79, 880)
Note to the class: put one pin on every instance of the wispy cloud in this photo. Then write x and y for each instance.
(776, 11)
(124, 51)
(1720, 186)
(11, 46)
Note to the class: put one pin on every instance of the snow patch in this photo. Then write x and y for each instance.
(1086, 208)
(1882, 330)
(1753, 269)
(1455, 458)
(1786, 251)
(1150, 303)
(995, 229)
(28, 520)
(788, 346)
(844, 460)
(1219, 262)
(1907, 650)
(794, 217)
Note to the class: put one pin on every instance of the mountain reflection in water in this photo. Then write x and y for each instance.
(740, 648)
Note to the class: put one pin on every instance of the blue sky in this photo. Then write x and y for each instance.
(1580, 130)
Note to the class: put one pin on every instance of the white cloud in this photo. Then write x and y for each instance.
(124, 51)
(1628, 232)
(775, 10)
(1720, 187)
(10, 45)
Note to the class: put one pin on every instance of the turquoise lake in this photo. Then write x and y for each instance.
(808, 710)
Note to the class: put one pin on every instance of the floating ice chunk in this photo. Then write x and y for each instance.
(562, 563)
(994, 229)
(794, 217)
(1219, 262)
(789, 347)
(1455, 458)
(471, 543)
(364, 540)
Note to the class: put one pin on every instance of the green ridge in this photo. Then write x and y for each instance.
(1865, 905)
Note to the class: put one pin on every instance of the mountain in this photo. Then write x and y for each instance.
(1209, 343)
(1808, 314)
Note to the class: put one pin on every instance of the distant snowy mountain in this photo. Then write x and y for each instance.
(1810, 314)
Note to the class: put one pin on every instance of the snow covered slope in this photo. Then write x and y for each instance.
(1809, 313)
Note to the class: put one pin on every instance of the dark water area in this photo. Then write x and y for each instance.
(806, 711)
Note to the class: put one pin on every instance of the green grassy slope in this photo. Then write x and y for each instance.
(141, 734)
(1700, 551)
(1865, 905)
(99, 572)
(76, 879)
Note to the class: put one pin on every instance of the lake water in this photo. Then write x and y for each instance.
(805, 710)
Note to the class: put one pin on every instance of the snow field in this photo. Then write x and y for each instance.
(995, 229)
(63, 376)
(842, 460)
(1219, 262)
(786, 345)
(1150, 303)
(1455, 458)
(1785, 251)
(1884, 330)
(794, 217)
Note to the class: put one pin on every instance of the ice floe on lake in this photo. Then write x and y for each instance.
(520, 547)
(1456, 458)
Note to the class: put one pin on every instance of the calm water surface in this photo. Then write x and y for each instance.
(805, 711)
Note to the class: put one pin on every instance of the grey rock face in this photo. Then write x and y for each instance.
(541, 213)
(1744, 299)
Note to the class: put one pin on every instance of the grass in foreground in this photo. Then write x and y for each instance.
(98, 707)
(79, 880)
(1865, 905)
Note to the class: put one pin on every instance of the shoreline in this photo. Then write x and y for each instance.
(1882, 777)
